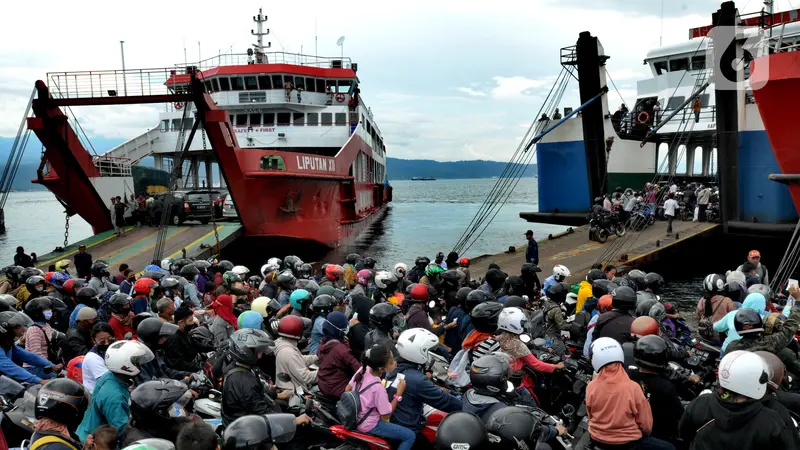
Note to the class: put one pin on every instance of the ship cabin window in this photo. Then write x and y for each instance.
(264, 82)
(165, 125)
(277, 81)
(215, 84)
(675, 102)
(269, 119)
(241, 120)
(704, 100)
(341, 119)
(299, 83)
(320, 85)
(330, 86)
(251, 83)
(344, 86)
(258, 97)
(660, 67)
(284, 118)
(299, 119)
(237, 84)
(369, 128)
(312, 119)
(224, 84)
(310, 85)
(208, 86)
(187, 123)
(327, 119)
(272, 163)
(698, 62)
(231, 119)
(176, 124)
(255, 120)
(678, 64)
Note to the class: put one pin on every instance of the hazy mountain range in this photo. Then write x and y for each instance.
(399, 169)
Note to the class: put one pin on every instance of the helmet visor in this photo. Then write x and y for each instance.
(282, 427)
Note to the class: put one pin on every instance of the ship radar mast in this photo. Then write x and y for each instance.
(259, 46)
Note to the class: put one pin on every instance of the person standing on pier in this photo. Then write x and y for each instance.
(21, 259)
(669, 211)
(119, 215)
(83, 262)
(532, 253)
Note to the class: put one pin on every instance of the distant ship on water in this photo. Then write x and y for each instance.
(423, 178)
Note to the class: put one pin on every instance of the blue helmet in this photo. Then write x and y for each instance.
(58, 279)
(298, 298)
(250, 319)
(153, 268)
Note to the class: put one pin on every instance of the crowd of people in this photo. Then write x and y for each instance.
(114, 353)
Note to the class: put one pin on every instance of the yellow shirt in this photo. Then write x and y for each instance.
(584, 293)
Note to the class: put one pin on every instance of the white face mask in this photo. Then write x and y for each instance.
(48, 314)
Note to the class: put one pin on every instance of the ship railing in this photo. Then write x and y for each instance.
(110, 166)
(630, 123)
(298, 59)
(115, 83)
(569, 56)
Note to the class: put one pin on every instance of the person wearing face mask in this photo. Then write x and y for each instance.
(121, 316)
(38, 336)
(141, 294)
(127, 281)
(191, 292)
(13, 325)
(94, 365)
(179, 352)
(336, 361)
(79, 339)
(154, 333)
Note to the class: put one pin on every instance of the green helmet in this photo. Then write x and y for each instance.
(151, 444)
(229, 278)
(433, 271)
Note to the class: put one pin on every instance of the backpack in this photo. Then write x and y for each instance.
(537, 325)
(51, 439)
(705, 327)
(104, 310)
(348, 407)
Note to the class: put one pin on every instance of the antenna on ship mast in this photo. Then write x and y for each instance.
(260, 20)
(661, 36)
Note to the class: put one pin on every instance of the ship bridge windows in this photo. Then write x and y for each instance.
(252, 97)
(699, 62)
(208, 85)
(277, 81)
(320, 85)
(327, 119)
(312, 119)
(311, 85)
(251, 83)
(678, 64)
(340, 119)
(299, 83)
(241, 120)
(237, 84)
(269, 119)
(264, 82)
(272, 163)
(660, 67)
(224, 84)
(255, 119)
(299, 119)
(675, 102)
(215, 84)
(284, 118)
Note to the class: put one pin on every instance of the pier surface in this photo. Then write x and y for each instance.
(578, 253)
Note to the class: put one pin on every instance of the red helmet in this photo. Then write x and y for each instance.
(463, 262)
(644, 326)
(49, 276)
(143, 285)
(333, 271)
(420, 293)
(604, 303)
(75, 369)
(291, 327)
(67, 286)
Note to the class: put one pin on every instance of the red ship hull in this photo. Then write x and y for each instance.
(775, 80)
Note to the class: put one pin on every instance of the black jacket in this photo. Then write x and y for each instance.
(614, 324)
(378, 337)
(772, 402)
(77, 342)
(665, 404)
(156, 369)
(23, 260)
(711, 423)
(357, 337)
(83, 264)
(243, 394)
(180, 354)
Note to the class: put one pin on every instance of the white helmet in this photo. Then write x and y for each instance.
(413, 345)
(125, 357)
(744, 373)
(560, 271)
(166, 264)
(513, 320)
(241, 271)
(383, 278)
(268, 268)
(400, 270)
(604, 351)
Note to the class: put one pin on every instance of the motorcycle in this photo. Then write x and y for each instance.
(601, 226)
(642, 216)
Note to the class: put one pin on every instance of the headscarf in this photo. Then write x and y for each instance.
(361, 305)
(512, 345)
(223, 307)
(335, 325)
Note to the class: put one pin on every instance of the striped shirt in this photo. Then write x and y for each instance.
(36, 340)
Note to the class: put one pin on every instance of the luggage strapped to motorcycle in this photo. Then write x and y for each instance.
(51, 439)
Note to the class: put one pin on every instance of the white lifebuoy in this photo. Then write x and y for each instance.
(340, 98)
(178, 105)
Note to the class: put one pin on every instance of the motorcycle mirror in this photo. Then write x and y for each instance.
(524, 338)
(567, 410)
(431, 304)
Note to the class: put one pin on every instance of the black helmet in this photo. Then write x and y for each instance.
(451, 278)
(189, 271)
(153, 274)
(422, 262)
(495, 278)
(484, 316)
(489, 375)
(352, 258)
(10, 320)
(169, 283)
(64, 401)
(86, 294)
(322, 305)
(461, 296)
(35, 308)
(223, 266)
(622, 281)
(137, 319)
(339, 295)
(713, 284)
(202, 265)
(369, 263)
(254, 281)
(623, 298)
(476, 297)
(310, 285)
(258, 432)
(100, 269)
(734, 291)
(651, 352)
(637, 278)
(528, 269)
(286, 279)
(644, 305)
(32, 283)
(151, 400)
(460, 430)
(305, 270)
(514, 285)
(558, 292)
(381, 316)
(290, 262)
(245, 345)
(654, 282)
(748, 321)
(594, 275)
(202, 338)
(151, 330)
(119, 302)
(602, 287)
(514, 428)
(12, 272)
(515, 301)
(27, 273)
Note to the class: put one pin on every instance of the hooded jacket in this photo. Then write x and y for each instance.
(772, 343)
(725, 325)
(617, 408)
(243, 393)
(378, 337)
(156, 369)
(337, 365)
(481, 405)
(584, 293)
(180, 353)
(711, 423)
(419, 391)
(418, 318)
(290, 361)
(358, 332)
(110, 405)
(77, 342)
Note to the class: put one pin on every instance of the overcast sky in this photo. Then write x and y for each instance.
(446, 80)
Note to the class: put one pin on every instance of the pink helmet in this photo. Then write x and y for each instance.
(364, 276)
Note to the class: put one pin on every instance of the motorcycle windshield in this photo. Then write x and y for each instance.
(282, 427)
